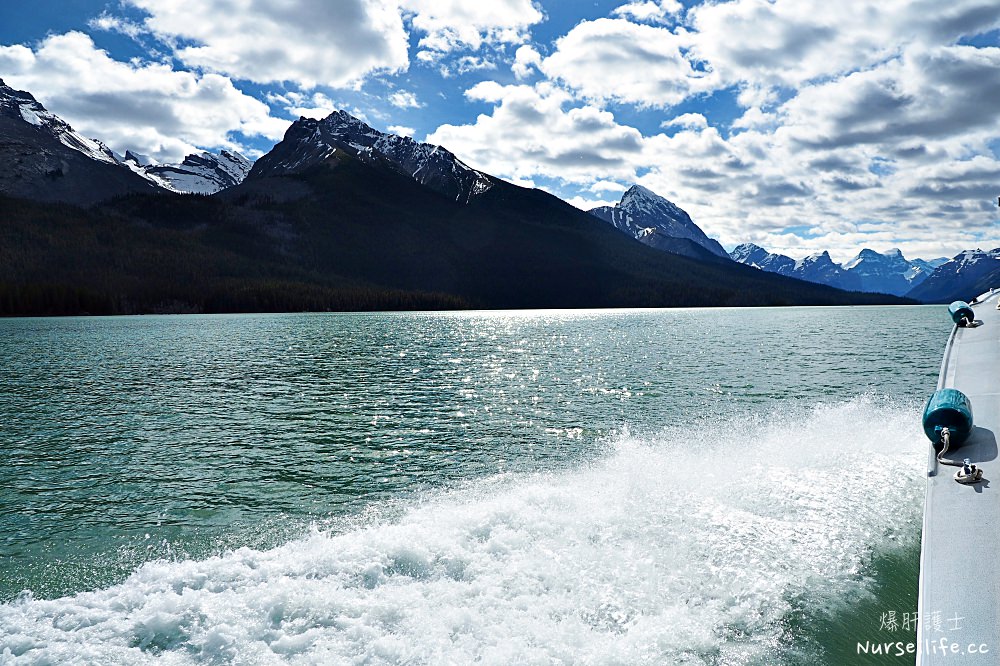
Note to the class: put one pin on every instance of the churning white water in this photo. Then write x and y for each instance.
(679, 548)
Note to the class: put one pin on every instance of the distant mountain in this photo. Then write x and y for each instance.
(660, 224)
(818, 268)
(821, 268)
(964, 277)
(758, 257)
(203, 173)
(44, 159)
(929, 264)
(869, 271)
(888, 273)
(308, 143)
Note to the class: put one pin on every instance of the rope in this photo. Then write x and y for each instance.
(946, 441)
(969, 473)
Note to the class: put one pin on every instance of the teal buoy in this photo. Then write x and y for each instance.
(960, 310)
(948, 408)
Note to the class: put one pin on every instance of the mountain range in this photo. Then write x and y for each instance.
(888, 273)
(337, 216)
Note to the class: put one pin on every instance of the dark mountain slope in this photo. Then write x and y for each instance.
(963, 277)
(508, 247)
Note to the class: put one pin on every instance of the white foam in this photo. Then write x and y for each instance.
(662, 551)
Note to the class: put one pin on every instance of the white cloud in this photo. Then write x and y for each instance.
(314, 105)
(450, 25)
(110, 23)
(150, 108)
(487, 91)
(607, 186)
(754, 118)
(587, 203)
(531, 133)
(461, 65)
(403, 99)
(334, 44)
(526, 61)
(655, 12)
(617, 60)
(754, 46)
(401, 130)
(939, 94)
(687, 120)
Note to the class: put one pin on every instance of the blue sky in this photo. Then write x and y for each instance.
(801, 125)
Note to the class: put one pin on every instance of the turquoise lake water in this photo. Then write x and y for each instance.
(710, 486)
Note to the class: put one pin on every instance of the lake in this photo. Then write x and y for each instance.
(703, 486)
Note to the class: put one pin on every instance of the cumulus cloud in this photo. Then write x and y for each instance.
(655, 12)
(896, 154)
(687, 120)
(335, 44)
(753, 117)
(526, 61)
(532, 133)
(308, 105)
(451, 25)
(150, 108)
(754, 46)
(607, 186)
(401, 130)
(617, 60)
(403, 99)
(940, 94)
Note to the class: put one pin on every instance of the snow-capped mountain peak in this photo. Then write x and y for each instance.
(893, 261)
(309, 142)
(642, 202)
(656, 221)
(756, 256)
(814, 260)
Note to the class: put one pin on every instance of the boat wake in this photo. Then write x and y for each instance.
(675, 548)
